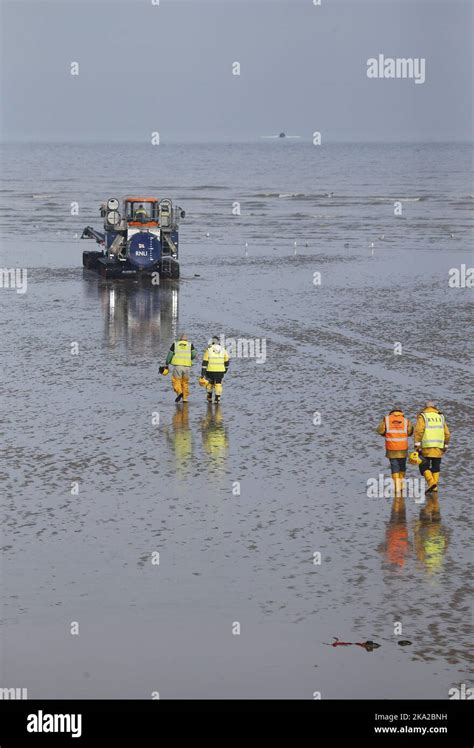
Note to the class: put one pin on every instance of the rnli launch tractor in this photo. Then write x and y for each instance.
(140, 239)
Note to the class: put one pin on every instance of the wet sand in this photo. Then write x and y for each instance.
(168, 488)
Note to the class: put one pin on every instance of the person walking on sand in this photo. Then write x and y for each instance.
(432, 437)
(180, 356)
(396, 429)
(215, 363)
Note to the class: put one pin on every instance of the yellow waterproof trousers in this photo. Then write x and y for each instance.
(181, 385)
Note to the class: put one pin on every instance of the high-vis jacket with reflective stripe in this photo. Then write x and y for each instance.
(396, 431)
(382, 430)
(419, 434)
(216, 358)
(182, 353)
(433, 435)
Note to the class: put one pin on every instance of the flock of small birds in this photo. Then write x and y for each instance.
(295, 244)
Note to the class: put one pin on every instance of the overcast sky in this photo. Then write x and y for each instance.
(168, 68)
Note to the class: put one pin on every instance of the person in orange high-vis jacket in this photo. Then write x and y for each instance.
(432, 437)
(396, 428)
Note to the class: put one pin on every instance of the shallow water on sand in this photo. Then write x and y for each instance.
(170, 487)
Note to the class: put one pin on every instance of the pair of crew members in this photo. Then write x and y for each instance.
(431, 439)
(215, 363)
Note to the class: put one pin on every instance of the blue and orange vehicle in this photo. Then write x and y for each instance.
(141, 237)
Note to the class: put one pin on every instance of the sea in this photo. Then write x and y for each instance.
(197, 551)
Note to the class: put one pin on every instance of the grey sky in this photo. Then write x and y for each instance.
(168, 68)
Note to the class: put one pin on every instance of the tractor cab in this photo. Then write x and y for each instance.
(141, 211)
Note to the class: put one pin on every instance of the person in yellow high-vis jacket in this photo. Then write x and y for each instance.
(215, 363)
(181, 356)
(431, 437)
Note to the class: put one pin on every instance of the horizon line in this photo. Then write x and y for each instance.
(29, 141)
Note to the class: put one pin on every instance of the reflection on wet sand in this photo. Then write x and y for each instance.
(215, 437)
(180, 437)
(180, 432)
(396, 536)
(139, 314)
(430, 539)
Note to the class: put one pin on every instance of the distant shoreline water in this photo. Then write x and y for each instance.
(238, 141)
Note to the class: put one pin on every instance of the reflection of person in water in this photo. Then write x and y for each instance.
(397, 546)
(181, 437)
(214, 435)
(431, 540)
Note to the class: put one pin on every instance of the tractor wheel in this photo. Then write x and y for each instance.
(174, 271)
(89, 259)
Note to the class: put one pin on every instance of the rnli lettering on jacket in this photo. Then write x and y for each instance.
(433, 435)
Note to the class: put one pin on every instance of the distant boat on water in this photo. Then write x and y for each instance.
(280, 135)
